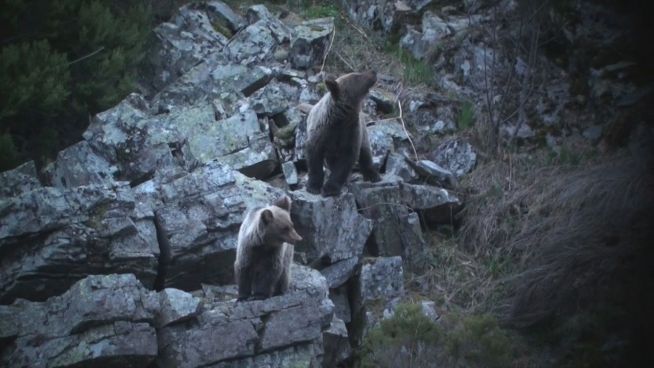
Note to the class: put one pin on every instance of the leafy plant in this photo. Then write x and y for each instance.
(466, 118)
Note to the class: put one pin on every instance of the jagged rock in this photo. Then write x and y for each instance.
(176, 305)
(310, 41)
(455, 155)
(434, 173)
(337, 344)
(237, 141)
(102, 320)
(210, 81)
(385, 15)
(258, 13)
(338, 273)
(397, 166)
(331, 228)
(380, 279)
(431, 113)
(384, 101)
(198, 217)
(221, 13)
(79, 165)
(19, 180)
(280, 331)
(180, 44)
(385, 136)
(253, 44)
(274, 98)
(290, 173)
(126, 137)
(51, 237)
(392, 204)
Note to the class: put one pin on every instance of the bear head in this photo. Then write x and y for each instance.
(276, 223)
(351, 88)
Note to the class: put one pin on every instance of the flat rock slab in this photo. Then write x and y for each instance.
(280, 330)
(102, 320)
(19, 180)
(52, 237)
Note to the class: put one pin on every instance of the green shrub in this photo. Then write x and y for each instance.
(410, 339)
(415, 71)
(466, 118)
(62, 61)
(406, 339)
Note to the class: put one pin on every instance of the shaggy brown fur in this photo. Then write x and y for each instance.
(263, 254)
(336, 136)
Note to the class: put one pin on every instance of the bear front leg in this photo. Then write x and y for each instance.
(266, 276)
(244, 280)
(285, 278)
(365, 163)
(315, 160)
(341, 170)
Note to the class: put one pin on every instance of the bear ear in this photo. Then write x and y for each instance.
(284, 203)
(266, 217)
(332, 85)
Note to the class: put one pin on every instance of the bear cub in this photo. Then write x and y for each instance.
(336, 136)
(263, 253)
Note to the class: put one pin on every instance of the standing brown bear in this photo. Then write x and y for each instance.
(264, 252)
(336, 135)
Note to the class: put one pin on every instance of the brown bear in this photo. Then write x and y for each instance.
(263, 253)
(336, 136)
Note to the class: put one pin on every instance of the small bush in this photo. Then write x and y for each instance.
(410, 339)
(466, 118)
(414, 71)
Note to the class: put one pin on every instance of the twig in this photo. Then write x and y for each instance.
(331, 42)
(399, 104)
(345, 61)
(347, 20)
(87, 56)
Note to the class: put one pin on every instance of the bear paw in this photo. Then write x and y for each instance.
(330, 191)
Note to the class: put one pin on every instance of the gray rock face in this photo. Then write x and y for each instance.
(102, 320)
(392, 205)
(274, 98)
(113, 321)
(19, 180)
(381, 278)
(50, 238)
(221, 13)
(279, 331)
(310, 42)
(331, 228)
(78, 165)
(457, 156)
(180, 44)
(337, 344)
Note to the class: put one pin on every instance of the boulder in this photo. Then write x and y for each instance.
(102, 320)
(336, 344)
(394, 207)
(274, 98)
(19, 180)
(52, 237)
(310, 42)
(338, 273)
(380, 280)
(178, 45)
(332, 229)
(198, 217)
(223, 16)
(278, 332)
(455, 155)
(78, 165)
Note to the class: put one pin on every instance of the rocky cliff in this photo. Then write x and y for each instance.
(120, 252)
